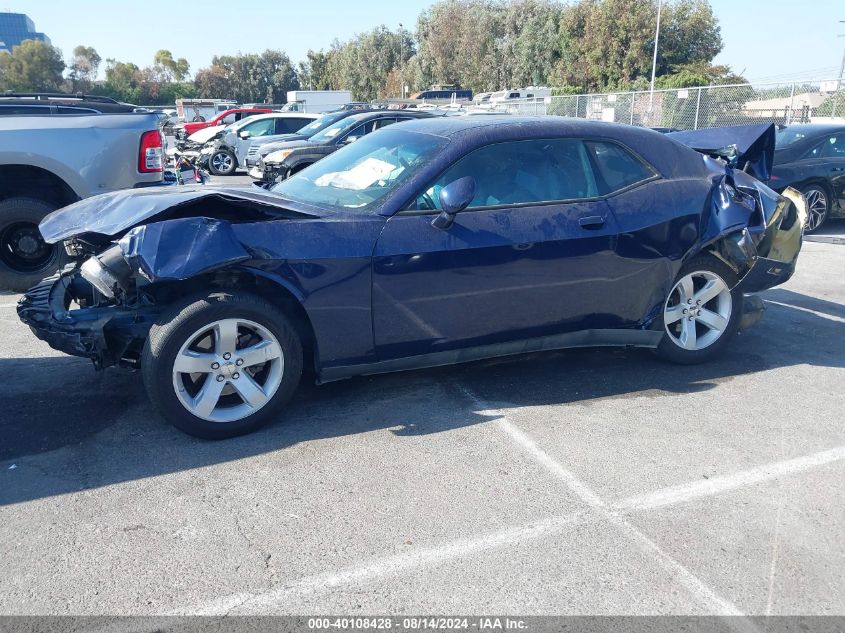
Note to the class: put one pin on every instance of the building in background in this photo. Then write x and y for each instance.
(15, 28)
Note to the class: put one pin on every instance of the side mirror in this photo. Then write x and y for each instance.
(454, 198)
(350, 139)
(245, 134)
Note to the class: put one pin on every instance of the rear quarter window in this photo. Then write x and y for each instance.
(616, 168)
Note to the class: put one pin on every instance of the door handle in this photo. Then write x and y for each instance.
(837, 169)
(592, 222)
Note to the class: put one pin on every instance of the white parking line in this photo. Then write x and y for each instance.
(390, 565)
(689, 580)
(8, 305)
(708, 487)
(822, 315)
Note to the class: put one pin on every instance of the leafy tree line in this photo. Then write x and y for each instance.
(584, 46)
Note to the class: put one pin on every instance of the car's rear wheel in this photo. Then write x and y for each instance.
(222, 163)
(818, 206)
(25, 258)
(221, 364)
(701, 313)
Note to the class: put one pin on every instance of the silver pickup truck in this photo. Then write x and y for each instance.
(55, 150)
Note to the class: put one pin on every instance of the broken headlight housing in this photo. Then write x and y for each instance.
(108, 272)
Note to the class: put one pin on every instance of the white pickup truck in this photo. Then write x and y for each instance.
(54, 150)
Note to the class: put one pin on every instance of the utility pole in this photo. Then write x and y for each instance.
(839, 82)
(401, 63)
(654, 64)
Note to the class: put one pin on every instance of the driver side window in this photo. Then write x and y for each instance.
(520, 172)
(833, 147)
(260, 128)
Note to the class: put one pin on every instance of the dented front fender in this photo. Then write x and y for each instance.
(181, 249)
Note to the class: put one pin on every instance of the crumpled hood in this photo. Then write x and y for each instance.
(750, 148)
(269, 148)
(204, 135)
(280, 141)
(115, 212)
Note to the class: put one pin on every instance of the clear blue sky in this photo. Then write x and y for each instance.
(778, 39)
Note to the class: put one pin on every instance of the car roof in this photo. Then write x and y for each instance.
(378, 114)
(284, 115)
(529, 125)
(815, 128)
(671, 158)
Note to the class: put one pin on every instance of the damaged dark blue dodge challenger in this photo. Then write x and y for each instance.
(430, 242)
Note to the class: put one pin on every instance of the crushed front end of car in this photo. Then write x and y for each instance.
(71, 315)
(125, 272)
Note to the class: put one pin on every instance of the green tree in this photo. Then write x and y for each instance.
(32, 66)
(83, 68)
(363, 64)
(124, 82)
(531, 41)
(608, 44)
(249, 78)
(212, 83)
(461, 42)
(313, 72)
(166, 69)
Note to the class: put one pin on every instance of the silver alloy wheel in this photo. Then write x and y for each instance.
(228, 369)
(816, 208)
(222, 162)
(698, 310)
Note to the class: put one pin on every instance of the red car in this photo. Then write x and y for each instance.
(224, 118)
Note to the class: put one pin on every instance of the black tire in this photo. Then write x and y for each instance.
(173, 328)
(671, 351)
(227, 167)
(25, 259)
(817, 196)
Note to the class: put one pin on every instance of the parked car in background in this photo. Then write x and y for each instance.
(54, 150)
(224, 118)
(445, 94)
(260, 147)
(811, 158)
(294, 156)
(427, 243)
(52, 103)
(226, 153)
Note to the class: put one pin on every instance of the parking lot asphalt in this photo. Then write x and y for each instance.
(596, 481)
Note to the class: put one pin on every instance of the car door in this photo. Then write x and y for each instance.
(531, 256)
(832, 162)
(358, 131)
(282, 126)
(654, 231)
(256, 129)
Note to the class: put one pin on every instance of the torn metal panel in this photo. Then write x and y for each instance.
(113, 213)
(180, 249)
(750, 148)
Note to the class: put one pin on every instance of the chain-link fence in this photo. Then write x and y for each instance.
(692, 108)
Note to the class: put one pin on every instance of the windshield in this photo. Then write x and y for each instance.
(318, 125)
(789, 135)
(335, 129)
(362, 174)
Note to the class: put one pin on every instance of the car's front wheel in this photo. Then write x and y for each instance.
(222, 163)
(701, 313)
(818, 206)
(221, 364)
